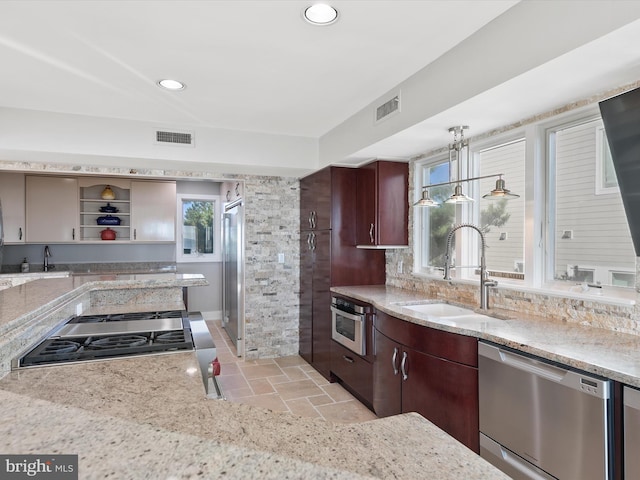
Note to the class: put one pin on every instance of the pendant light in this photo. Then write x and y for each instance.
(455, 156)
(500, 191)
(426, 200)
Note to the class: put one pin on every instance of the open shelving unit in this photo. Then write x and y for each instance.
(90, 203)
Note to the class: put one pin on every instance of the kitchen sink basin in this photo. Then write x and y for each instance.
(440, 309)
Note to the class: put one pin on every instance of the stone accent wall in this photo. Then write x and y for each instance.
(272, 212)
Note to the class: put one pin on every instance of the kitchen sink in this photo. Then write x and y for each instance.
(440, 309)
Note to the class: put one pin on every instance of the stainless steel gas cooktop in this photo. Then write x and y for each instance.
(103, 337)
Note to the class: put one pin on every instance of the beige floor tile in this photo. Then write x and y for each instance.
(302, 407)
(232, 382)
(317, 378)
(229, 368)
(307, 368)
(292, 361)
(261, 386)
(320, 399)
(279, 379)
(297, 389)
(237, 394)
(351, 411)
(260, 371)
(337, 392)
(295, 373)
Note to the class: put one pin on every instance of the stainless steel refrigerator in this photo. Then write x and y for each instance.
(233, 273)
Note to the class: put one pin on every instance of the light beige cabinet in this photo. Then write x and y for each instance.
(153, 211)
(51, 209)
(13, 211)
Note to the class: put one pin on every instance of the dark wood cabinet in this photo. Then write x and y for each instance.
(383, 205)
(329, 257)
(353, 371)
(428, 371)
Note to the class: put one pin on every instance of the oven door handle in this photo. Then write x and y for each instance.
(350, 316)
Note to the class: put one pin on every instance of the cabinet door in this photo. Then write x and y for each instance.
(306, 297)
(153, 211)
(354, 371)
(322, 302)
(383, 205)
(51, 209)
(445, 393)
(386, 376)
(315, 201)
(366, 205)
(12, 201)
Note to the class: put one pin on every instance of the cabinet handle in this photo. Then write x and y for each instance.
(135, 233)
(313, 241)
(314, 216)
(309, 242)
(237, 189)
(393, 360)
(73, 234)
(348, 359)
(371, 233)
(310, 220)
(19, 233)
(403, 366)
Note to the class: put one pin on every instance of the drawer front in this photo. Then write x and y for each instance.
(447, 345)
(354, 371)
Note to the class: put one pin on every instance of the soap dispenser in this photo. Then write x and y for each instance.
(24, 266)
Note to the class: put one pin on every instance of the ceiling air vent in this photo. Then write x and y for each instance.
(388, 108)
(164, 137)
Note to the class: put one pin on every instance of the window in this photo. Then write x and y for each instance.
(590, 233)
(501, 221)
(197, 239)
(567, 227)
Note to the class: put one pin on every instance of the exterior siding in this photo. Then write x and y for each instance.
(600, 234)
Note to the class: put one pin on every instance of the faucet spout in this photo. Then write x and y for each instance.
(47, 254)
(485, 281)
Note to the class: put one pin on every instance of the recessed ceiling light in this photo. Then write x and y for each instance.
(320, 14)
(171, 84)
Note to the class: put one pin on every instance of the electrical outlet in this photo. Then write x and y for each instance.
(79, 309)
(400, 266)
(281, 258)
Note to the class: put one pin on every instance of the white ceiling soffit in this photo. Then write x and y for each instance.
(593, 69)
(247, 65)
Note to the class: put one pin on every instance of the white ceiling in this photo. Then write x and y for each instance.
(248, 65)
(256, 66)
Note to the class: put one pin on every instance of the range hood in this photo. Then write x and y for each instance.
(621, 117)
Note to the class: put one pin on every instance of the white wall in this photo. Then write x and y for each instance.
(33, 136)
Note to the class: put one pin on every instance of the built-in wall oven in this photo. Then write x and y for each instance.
(540, 420)
(349, 324)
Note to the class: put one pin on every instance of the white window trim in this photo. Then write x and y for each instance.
(216, 256)
(600, 157)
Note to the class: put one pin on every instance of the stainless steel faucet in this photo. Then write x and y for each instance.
(485, 281)
(47, 254)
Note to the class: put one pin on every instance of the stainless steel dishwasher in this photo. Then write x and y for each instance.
(542, 421)
(631, 415)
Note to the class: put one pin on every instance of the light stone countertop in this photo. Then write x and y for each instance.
(599, 351)
(147, 417)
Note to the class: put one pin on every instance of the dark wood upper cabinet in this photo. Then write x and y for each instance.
(315, 201)
(382, 204)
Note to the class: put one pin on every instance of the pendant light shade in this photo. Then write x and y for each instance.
(426, 200)
(456, 149)
(500, 192)
(458, 196)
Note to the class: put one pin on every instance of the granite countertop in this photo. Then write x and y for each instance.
(147, 417)
(602, 352)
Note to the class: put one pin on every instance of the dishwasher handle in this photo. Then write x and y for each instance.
(584, 383)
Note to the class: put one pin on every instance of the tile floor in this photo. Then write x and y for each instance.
(286, 384)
